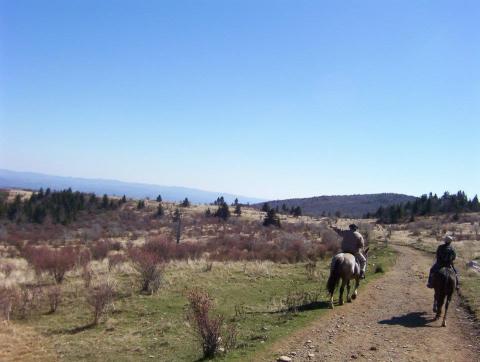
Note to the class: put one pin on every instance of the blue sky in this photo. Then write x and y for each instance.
(272, 99)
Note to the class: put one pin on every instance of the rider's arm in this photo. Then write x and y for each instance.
(337, 230)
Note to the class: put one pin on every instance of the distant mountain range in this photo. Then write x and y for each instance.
(34, 181)
(347, 205)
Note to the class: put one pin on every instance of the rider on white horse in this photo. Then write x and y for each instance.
(353, 243)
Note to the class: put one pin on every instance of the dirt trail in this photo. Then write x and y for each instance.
(391, 320)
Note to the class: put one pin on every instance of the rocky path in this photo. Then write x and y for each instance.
(391, 320)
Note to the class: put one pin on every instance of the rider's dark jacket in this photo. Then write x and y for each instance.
(445, 256)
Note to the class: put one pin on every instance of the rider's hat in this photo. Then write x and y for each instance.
(353, 227)
(448, 239)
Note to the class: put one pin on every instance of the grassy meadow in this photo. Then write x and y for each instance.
(264, 282)
(259, 298)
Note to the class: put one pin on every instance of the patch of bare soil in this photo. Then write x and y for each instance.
(391, 320)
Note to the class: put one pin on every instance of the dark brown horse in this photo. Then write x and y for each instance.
(344, 267)
(444, 284)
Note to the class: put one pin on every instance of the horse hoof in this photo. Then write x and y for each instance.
(349, 301)
(331, 306)
(444, 324)
(354, 296)
(340, 302)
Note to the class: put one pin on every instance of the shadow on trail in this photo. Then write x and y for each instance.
(409, 320)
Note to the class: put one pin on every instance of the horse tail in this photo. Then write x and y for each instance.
(334, 277)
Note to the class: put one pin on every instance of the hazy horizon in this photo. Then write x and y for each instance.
(220, 192)
(269, 99)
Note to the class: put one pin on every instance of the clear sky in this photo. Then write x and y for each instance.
(272, 99)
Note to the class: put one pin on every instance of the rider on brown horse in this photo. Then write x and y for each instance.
(353, 243)
(445, 257)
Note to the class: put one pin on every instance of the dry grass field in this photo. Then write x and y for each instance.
(263, 282)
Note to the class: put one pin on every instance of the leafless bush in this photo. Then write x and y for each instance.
(99, 297)
(56, 262)
(54, 297)
(208, 267)
(26, 300)
(310, 268)
(84, 256)
(100, 249)
(208, 327)
(115, 259)
(7, 298)
(87, 275)
(230, 337)
(330, 240)
(150, 268)
(7, 268)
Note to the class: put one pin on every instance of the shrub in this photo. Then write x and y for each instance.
(115, 259)
(310, 268)
(208, 328)
(56, 262)
(149, 266)
(99, 297)
(84, 257)
(87, 275)
(100, 249)
(54, 297)
(26, 299)
(7, 298)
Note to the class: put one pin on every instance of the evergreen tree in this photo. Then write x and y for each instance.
(265, 207)
(223, 212)
(185, 203)
(271, 218)
(123, 200)
(160, 211)
(176, 215)
(297, 211)
(39, 214)
(159, 198)
(208, 213)
(238, 210)
(105, 202)
(140, 204)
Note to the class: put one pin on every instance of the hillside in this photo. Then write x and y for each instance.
(34, 181)
(349, 205)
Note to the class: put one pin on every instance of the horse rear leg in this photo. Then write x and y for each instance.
(440, 299)
(340, 297)
(444, 323)
(349, 300)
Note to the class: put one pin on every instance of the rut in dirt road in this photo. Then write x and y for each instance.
(391, 320)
